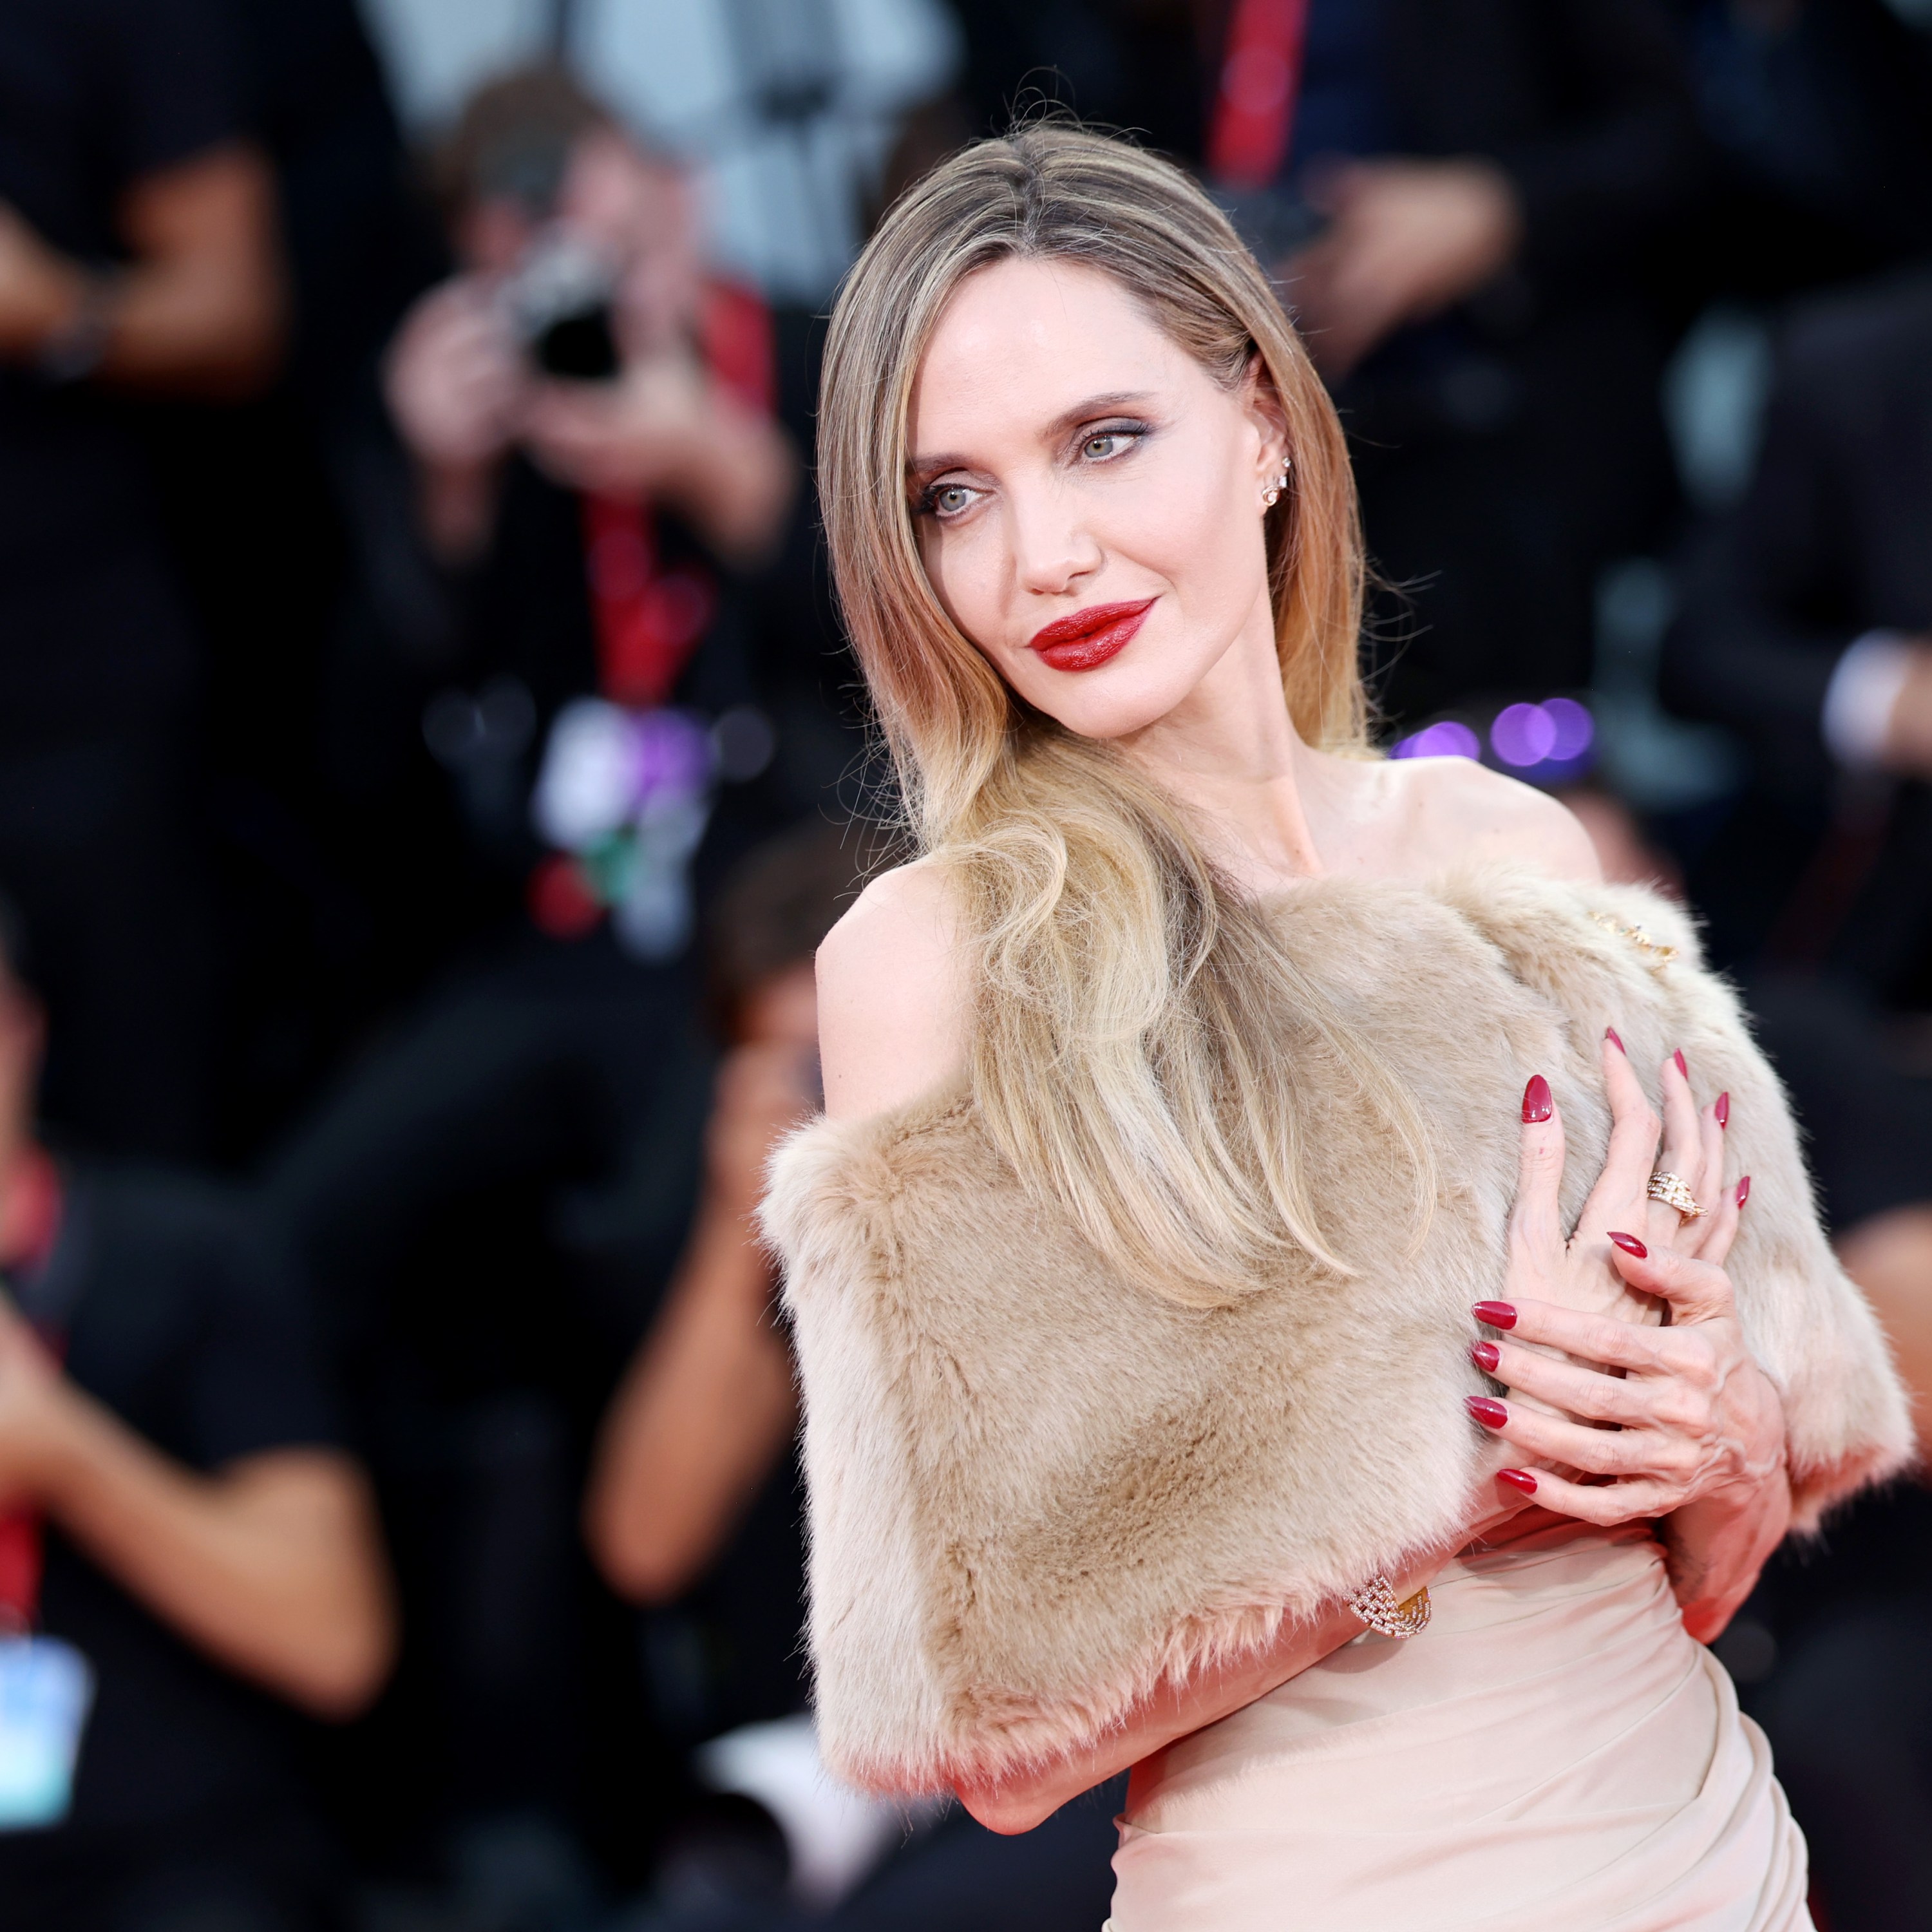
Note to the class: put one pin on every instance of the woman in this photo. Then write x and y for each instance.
(1155, 1272)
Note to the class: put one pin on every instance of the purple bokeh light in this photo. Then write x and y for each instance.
(1445, 739)
(1522, 735)
(1575, 729)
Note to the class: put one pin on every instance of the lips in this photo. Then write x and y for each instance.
(1090, 637)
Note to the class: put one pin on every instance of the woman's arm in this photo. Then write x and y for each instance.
(893, 995)
(273, 1565)
(1177, 1711)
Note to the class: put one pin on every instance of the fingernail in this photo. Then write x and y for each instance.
(1721, 1107)
(1536, 1099)
(1495, 1314)
(1486, 1355)
(1631, 1245)
(1678, 1057)
(1489, 1413)
(1518, 1479)
(1744, 1190)
(1610, 1034)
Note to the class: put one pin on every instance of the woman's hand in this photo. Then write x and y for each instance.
(1630, 1421)
(1579, 1270)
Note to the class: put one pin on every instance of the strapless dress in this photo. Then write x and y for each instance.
(1553, 1753)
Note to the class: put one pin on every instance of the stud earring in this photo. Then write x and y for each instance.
(1271, 495)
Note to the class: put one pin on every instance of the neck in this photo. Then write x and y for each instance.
(1229, 751)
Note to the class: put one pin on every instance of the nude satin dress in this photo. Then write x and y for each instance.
(1553, 1753)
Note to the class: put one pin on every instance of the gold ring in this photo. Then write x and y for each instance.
(1672, 1191)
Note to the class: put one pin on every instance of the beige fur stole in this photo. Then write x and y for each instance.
(1036, 1490)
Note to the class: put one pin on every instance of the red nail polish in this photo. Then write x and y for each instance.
(1631, 1245)
(1721, 1107)
(1496, 1314)
(1678, 1057)
(1490, 1414)
(1486, 1355)
(1536, 1099)
(1518, 1479)
(1744, 1190)
(1610, 1034)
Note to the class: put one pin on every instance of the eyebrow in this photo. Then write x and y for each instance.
(1083, 411)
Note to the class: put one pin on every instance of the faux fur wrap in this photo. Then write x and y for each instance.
(1035, 1489)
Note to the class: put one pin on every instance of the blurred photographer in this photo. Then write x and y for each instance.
(598, 468)
(185, 1546)
(575, 335)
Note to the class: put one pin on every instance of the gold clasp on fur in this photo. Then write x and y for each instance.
(1658, 955)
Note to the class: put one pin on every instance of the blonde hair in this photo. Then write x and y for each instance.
(1125, 1040)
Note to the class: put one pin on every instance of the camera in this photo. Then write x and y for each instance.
(559, 303)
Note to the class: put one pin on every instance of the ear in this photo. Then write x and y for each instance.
(1261, 402)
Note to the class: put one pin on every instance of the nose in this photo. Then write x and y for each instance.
(1052, 547)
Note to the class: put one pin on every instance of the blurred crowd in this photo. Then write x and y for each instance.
(428, 761)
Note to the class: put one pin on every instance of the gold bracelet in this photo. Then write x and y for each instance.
(1377, 1607)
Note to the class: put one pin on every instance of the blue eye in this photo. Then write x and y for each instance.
(1104, 445)
(945, 501)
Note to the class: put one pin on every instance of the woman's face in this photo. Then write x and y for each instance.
(1088, 499)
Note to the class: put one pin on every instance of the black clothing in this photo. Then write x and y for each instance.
(326, 835)
(178, 1317)
(1867, 1110)
(94, 95)
(1507, 450)
(1820, 116)
(489, 1209)
(99, 660)
(962, 1876)
(1828, 543)
(1843, 1689)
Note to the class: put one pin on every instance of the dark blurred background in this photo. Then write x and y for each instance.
(428, 760)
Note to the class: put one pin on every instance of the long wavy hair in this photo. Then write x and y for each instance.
(1126, 1034)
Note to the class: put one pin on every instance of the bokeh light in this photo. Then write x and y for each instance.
(1575, 729)
(1523, 735)
(1445, 739)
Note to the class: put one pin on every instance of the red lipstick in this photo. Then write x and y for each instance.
(1089, 638)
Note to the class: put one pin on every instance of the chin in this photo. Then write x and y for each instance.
(1114, 701)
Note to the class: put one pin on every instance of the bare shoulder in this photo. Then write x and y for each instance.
(892, 993)
(1459, 812)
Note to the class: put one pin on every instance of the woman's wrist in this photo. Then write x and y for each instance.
(1716, 1546)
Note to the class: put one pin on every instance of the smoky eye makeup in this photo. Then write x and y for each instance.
(1123, 433)
(929, 501)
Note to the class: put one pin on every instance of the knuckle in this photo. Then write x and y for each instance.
(1679, 1411)
(1631, 1406)
(1701, 1371)
(1605, 1506)
(1602, 1337)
